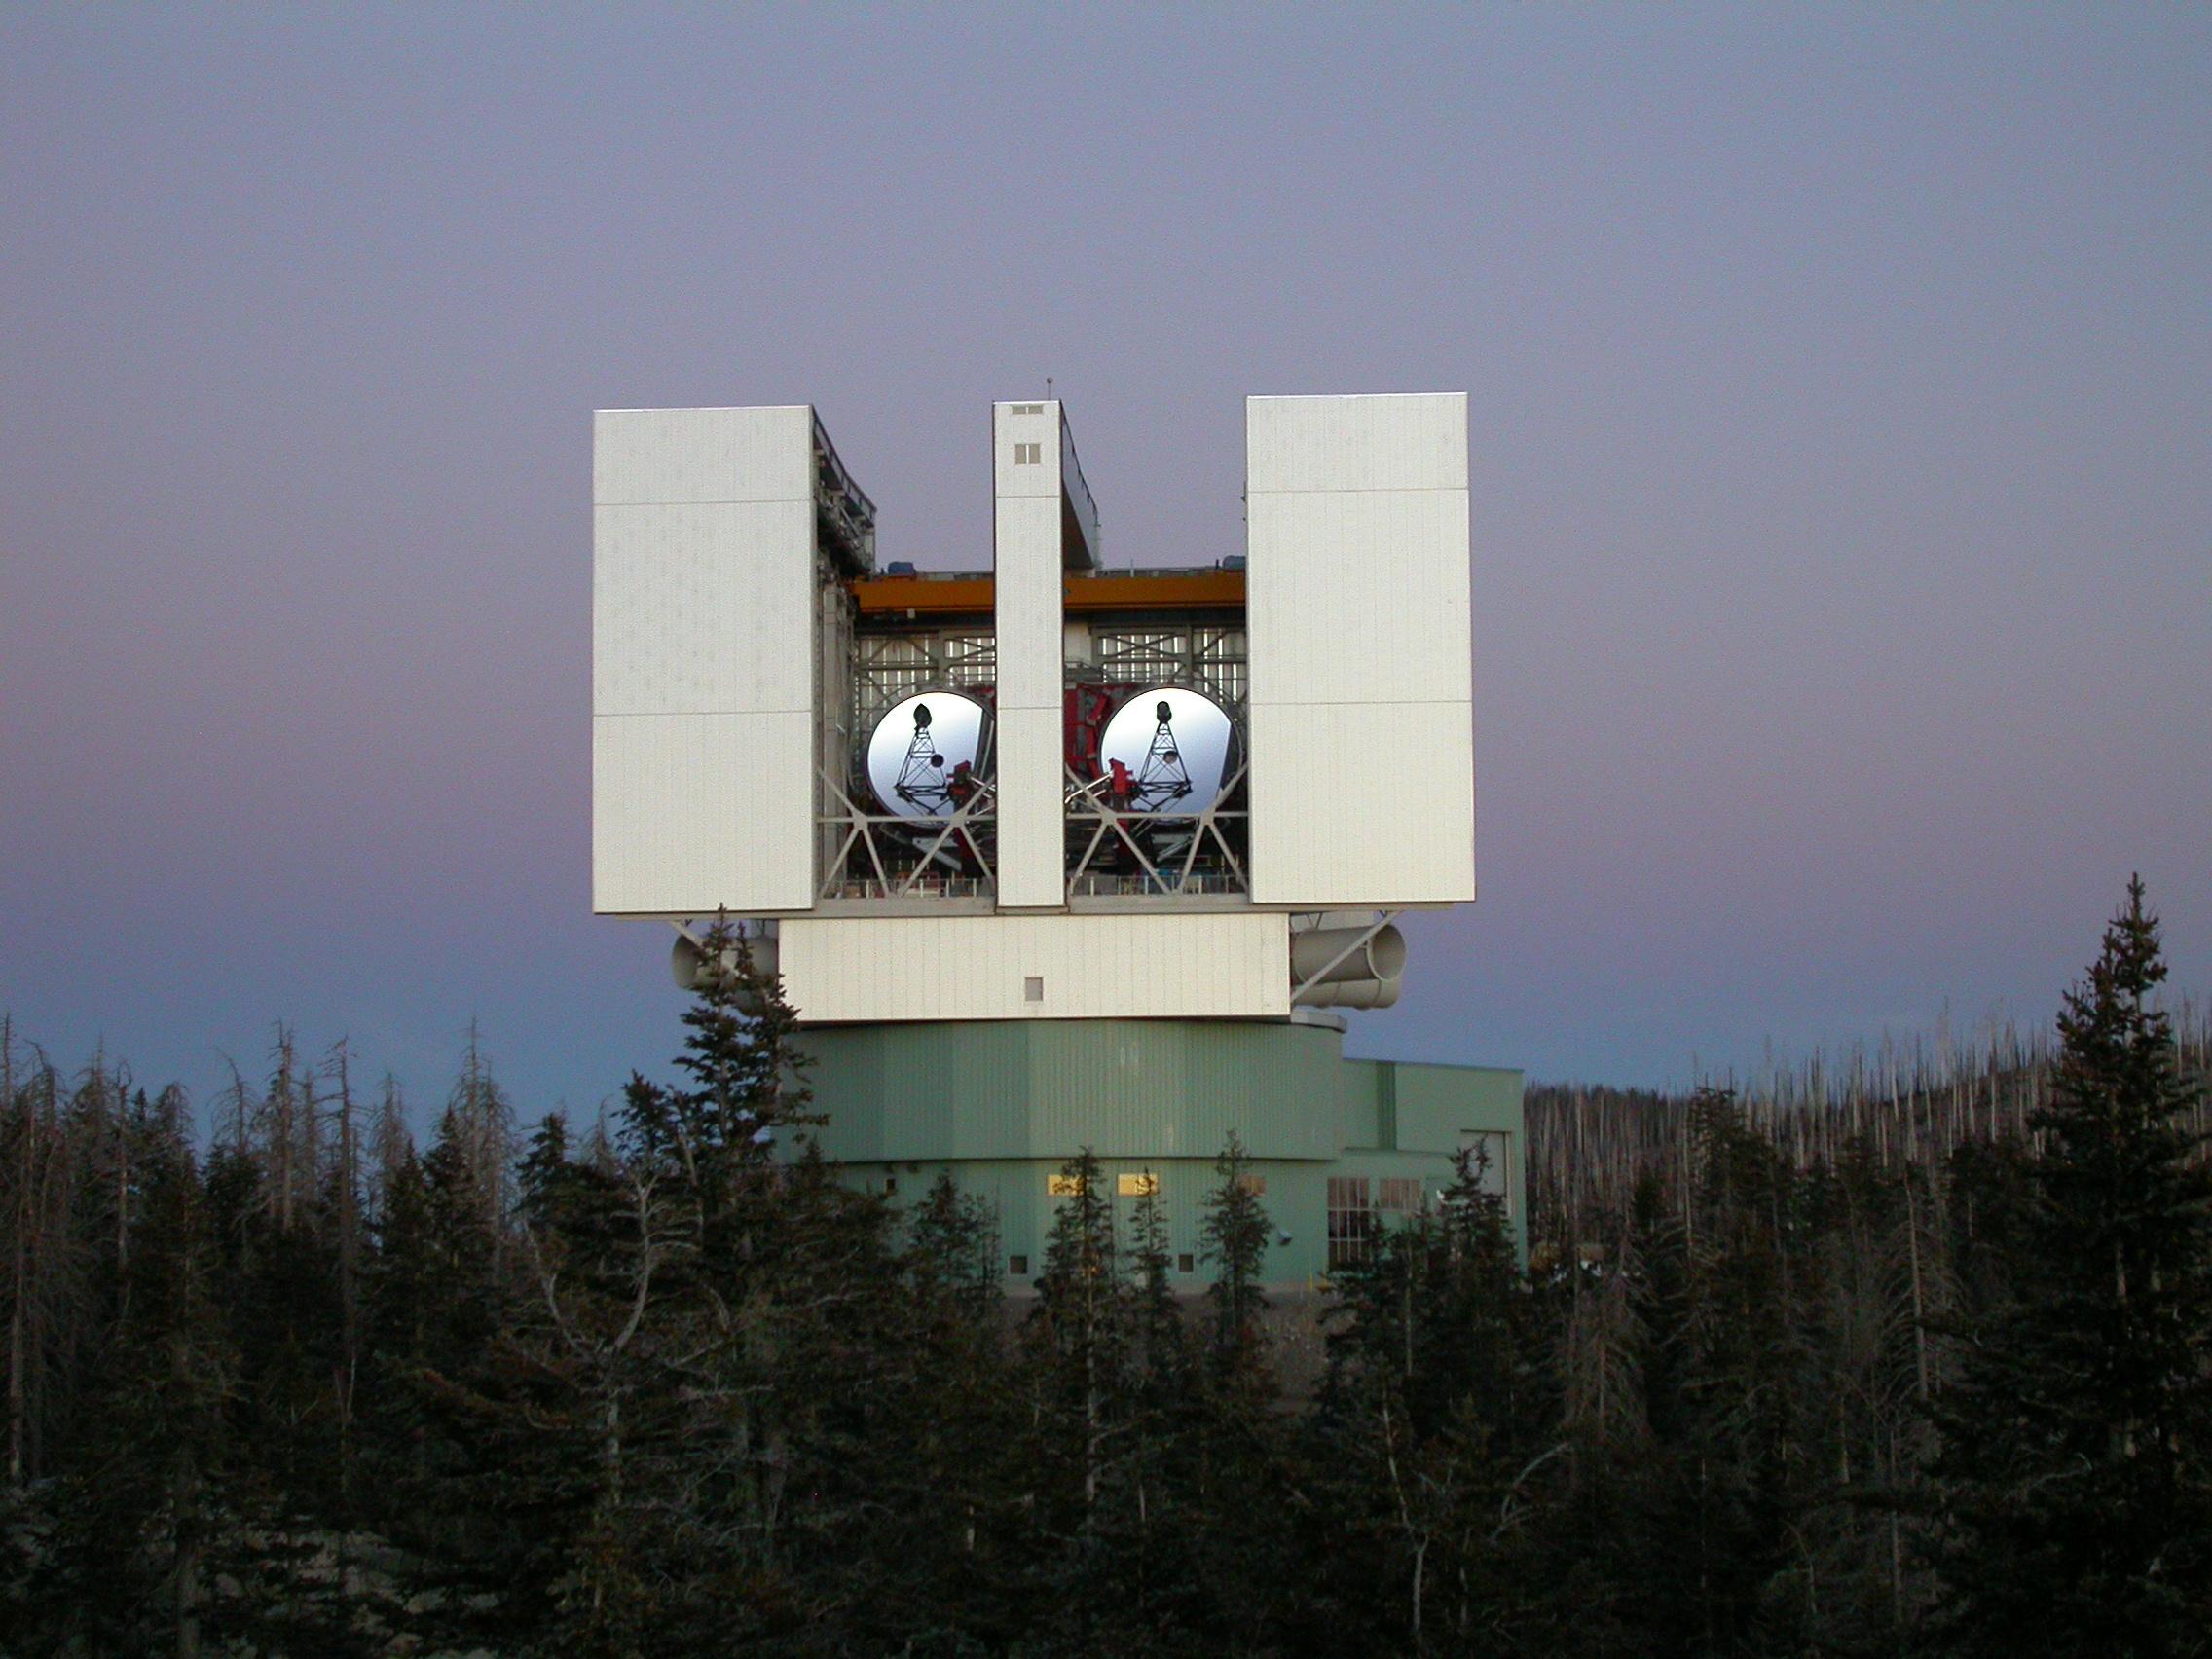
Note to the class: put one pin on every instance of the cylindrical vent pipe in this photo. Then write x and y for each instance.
(1369, 975)
(1382, 956)
(1354, 993)
(686, 960)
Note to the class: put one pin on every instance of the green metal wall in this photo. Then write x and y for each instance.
(1004, 1104)
(1046, 1088)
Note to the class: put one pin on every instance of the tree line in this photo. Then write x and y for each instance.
(662, 1383)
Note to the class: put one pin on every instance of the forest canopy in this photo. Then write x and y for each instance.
(1906, 1353)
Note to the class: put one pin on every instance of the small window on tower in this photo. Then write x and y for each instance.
(1028, 454)
(1033, 988)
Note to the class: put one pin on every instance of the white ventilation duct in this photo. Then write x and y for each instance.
(686, 960)
(1367, 976)
(1354, 993)
(1382, 956)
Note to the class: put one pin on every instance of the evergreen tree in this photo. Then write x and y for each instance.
(954, 1239)
(1082, 1318)
(1234, 1242)
(2075, 1480)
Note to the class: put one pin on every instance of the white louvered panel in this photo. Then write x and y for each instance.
(688, 816)
(702, 609)
(1093, 967)
(703, 455)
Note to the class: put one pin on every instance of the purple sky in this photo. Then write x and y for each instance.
(1842, 390)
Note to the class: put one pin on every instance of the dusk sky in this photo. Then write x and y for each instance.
(1841, 389)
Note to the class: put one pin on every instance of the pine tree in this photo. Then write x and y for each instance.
(954, 1240)
(1233, 1242)
(137, 1507)
(1082, 1315)
(2075, 1480)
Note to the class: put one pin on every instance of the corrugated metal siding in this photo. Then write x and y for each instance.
(1436, 1103)
(1026, 540)
(976, 968)
(1032, 861)
(1414, 842)
(702, 732)
(762, 453)
(1358, 606)
(1390, 622)
(679, 826)
(1390, 441)
(1125, 1089)
(695, 608)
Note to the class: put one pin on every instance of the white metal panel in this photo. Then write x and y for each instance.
(1017, 424)
(1410, 441)
(1400, 831)
(1026, 540)
(1358, 611)
(1358, 594)
(1028, 599)
(682, 823)
(703, 455)
(1091, 967)
(702, 609)
(1031, 856)
(703, 671)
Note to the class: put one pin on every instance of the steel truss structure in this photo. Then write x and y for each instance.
(1202, 657)
(1115, 852)
(871, 852)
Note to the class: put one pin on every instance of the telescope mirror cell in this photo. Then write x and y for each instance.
(914, 748)
(1178, 747)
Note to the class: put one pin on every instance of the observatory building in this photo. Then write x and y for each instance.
(1064, 853)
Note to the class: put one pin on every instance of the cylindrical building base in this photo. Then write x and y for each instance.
(1338, 1147)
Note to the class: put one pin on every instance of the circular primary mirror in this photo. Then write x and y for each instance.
(1166, 751)
(925, 758)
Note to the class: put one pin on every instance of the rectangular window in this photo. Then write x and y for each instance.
(1142, 1186)
(1029, 408)
(1401, 1195)
(1017, 1264)
(1028, 454)
(889, 1185)
(1351, 1221)
(1185, 1265)
(1033, 988)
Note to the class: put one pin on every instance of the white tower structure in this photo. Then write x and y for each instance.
(743, 637)
(1055, 792)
